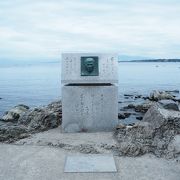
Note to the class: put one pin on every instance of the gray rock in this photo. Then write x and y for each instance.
(156, 133)
(169, 104)
(10, 133)
(139, 118)
(14, 114)
(20, 122)
(123, 116)
(159, 95)
(40, 119)
(173, 91)
(144, 106)
(140, 107)
(158, 116)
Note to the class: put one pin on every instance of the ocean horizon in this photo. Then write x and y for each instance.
(38, 84)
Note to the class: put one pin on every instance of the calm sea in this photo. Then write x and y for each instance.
(36, 85)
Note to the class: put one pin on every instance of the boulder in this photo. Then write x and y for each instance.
(11, 133)
(140, 107)
(157, 116)
(159, 95)
(134, 140)
(21, 121)
(144, 106)
(14, 114)
(169, 104)
(124, 115)
(156, 133)
(40, 119)
(174, 147)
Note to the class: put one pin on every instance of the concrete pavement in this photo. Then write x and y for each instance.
(32, 162)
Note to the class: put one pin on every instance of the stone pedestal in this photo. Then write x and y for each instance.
(89, 92)
(89, 108)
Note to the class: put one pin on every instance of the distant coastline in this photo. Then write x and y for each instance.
(153, 60)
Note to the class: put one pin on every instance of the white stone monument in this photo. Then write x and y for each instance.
(89, 92)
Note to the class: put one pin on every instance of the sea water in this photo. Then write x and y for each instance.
(39, 84)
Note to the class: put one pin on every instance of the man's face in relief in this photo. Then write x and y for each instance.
(89, 64)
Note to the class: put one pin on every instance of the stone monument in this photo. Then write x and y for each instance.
(89, 92)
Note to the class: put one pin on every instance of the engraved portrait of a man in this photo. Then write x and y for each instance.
(89, 64)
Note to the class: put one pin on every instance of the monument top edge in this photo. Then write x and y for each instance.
(88, 53)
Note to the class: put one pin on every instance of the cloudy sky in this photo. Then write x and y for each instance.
(42, 29)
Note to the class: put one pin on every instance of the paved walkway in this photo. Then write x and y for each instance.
(32, 162)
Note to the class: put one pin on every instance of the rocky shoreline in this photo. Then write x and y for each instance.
(21, 121)
(151, 126)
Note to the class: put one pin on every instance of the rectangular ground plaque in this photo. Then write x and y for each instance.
(90, 163)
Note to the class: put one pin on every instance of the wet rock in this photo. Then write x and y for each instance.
(169, 104)
(128, 95)
(0, 98)
(127, 114)
(121, 116)
(173, 91)
(138, 96)
(145, 97)
(139, 118)
(14, 114)
(144, 106)
(159, 95)
(124, 115)
(131, 106)
(121, 126)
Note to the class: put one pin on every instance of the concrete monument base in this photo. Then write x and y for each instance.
(89, 108)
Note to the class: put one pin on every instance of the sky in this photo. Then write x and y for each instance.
(43, 29)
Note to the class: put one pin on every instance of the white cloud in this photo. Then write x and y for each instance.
(46, 28)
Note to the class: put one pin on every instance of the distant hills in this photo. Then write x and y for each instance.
(121, 58)
(154, 60)
(157, 60)
(124, 58)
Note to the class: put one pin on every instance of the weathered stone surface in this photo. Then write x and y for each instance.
(89, 108)
(169, 104)
(174, 146)
(14, 114)
(159, 95)
(156, 133)
(123, 115)
(30, 121)
(158, 116)
(40, 119)
(71, 68)
(143, 107)
(10, 133)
